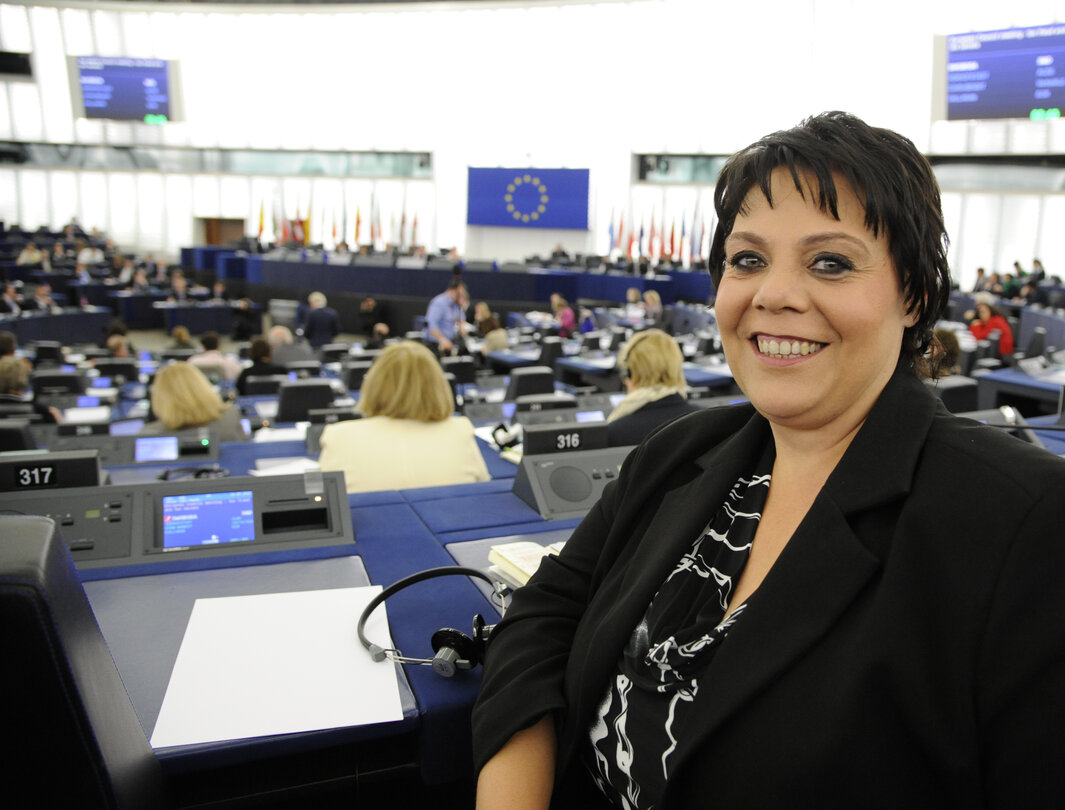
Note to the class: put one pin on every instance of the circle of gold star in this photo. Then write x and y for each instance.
(530, 206)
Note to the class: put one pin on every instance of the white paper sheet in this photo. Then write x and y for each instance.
(252, 666)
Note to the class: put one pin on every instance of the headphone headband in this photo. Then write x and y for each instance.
(481, 632)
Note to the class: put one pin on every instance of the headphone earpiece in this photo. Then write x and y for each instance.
(454, 651)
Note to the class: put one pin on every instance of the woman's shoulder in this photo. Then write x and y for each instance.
(989, 455)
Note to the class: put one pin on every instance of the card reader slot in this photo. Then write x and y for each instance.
(315, 518)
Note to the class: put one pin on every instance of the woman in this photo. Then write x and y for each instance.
(182, 397)
(262, 364)
(410, 437)
(14, 381)
(495, 336)
(652, 368)
(800, 602)
(563, 312)
(180, 338)
(988, 319)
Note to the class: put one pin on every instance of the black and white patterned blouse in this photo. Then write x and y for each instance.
(641, 719)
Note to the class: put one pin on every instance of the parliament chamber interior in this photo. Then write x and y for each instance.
(192, 617)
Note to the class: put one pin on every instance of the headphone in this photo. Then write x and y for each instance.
(453, 651)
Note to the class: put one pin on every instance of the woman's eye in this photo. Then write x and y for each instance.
(832, 264)
(746, 261)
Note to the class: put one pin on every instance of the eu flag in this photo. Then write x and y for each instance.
(528, 198)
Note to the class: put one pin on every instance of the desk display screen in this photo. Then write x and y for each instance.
(85, 401)
(1010, 73)
(591, 416)
(208, 518)
(615, 399)
(100, 382)
(126, 427)
(155, 448)
(508, 409)
(125, 89)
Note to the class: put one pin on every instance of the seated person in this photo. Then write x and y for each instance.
(652, 307)
(14, 381)
(284, 348)
(378, 337)
(8, 343)
(987, 319)
(10, 302)
(495, 336)
(29, 255)
(563, 312)
(410, 436)
(119, 346)
(212, 358)
(950, 362)
(42, 299)
(180, 338)
(652, 368)
(262, 364)
(182, 397)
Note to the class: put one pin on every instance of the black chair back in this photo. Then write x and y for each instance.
(297, 397)
(263, 384)
(530, 380)
(15, 434)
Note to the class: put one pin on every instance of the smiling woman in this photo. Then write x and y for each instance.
(799, 601)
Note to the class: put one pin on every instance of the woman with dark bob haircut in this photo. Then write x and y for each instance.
(804, 601)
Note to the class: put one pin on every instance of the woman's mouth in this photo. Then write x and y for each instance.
(786, 348)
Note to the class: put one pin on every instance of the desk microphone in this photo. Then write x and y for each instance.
(453, 651)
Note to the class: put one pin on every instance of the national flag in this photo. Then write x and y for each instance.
(621, 233)
(334, 228)
(403, 230)
(414, 230)
(683, 234)
(358, 224)
(262, 218)
(639, 245)
(286, 233)
(672, 239)
(651, 238)
(307, 224)
(610, 232)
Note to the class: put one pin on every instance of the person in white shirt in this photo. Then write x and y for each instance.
(211, 358)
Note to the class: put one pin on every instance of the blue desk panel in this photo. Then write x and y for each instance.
(1008, 381)
(68, 327)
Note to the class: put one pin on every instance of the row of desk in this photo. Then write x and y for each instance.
(532, 285)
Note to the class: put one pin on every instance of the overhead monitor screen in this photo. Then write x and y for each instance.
(1009, 73)
(124, 89)
(208, 518)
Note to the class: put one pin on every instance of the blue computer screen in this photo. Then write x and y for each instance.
(155, 448)
(208, 518)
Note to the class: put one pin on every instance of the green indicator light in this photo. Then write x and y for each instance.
(205, 442)
(155, 119)
(1054, 112)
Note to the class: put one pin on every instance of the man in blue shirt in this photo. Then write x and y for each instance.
(445, 317)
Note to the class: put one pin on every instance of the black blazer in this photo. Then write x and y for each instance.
(321, 326)
(907, 649)
(632, 428)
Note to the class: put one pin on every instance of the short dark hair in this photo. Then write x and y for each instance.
(260, 348)
(209, 341)
(892, 179)
(8, 343)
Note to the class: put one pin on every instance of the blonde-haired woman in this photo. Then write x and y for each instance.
(651, 367)
(409, 436)
(182, 397)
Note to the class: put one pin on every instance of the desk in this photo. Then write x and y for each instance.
(67, 326)
(206, 317)
(396, 533)
(1007, 385)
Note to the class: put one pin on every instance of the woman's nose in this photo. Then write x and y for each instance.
(781, 287)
